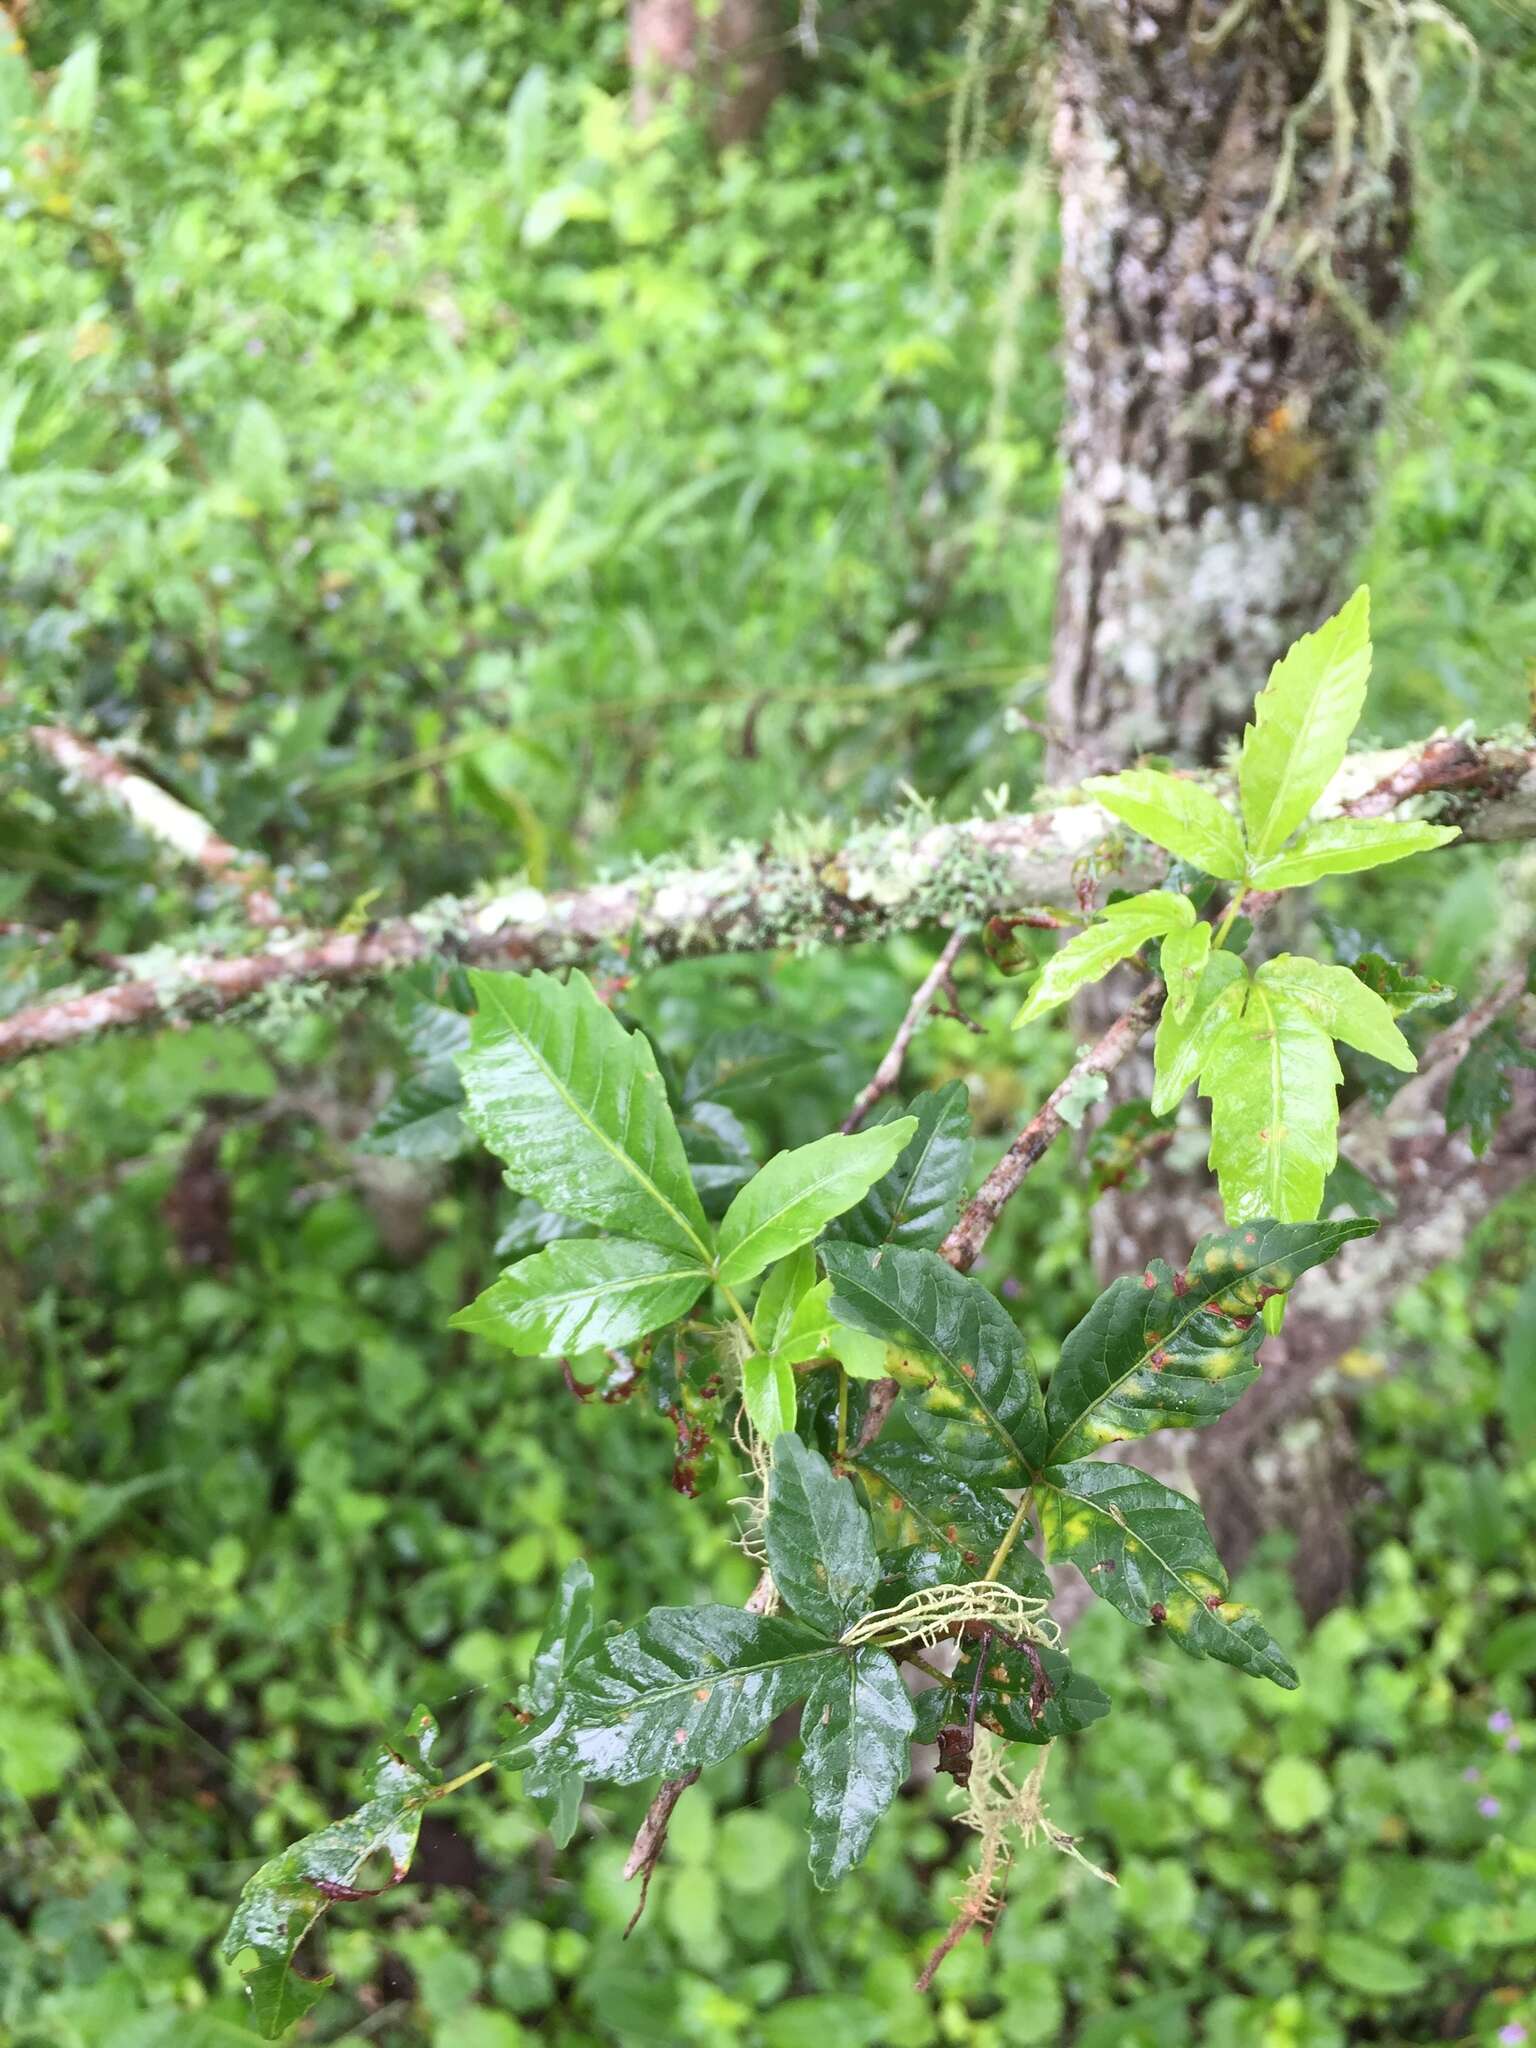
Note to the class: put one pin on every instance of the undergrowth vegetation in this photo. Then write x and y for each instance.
(436, 481)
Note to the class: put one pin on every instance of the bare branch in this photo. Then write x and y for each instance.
(161, 817)
(888, 1073)
(879, 881)
(963, 1245)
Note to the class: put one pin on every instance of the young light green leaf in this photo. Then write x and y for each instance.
(861, 1356)
(768, 1395)
(682, 1689)
(786, 1287)
(1146, 1550)
(1182, 1042)
(282, 1902)
(809, 1333)
(583, 1292)
(798, 1193)
(1342, 1004)
(574, 1104)
(856, 1730)
(1166, 1350)
(1120, 931)
(1302, 720)
(1272, 1078)
(820, 1548)
(977, 1401)
(917, 1201)
(1183, 816)
(1344, 846)
(1184, 954)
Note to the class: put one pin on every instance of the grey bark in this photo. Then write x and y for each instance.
(1222, 385)
(728, 50)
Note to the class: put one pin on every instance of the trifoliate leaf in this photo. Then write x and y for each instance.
(918, 1200)
(1183, 816)
(575, 1105)
(820, 1547)
(582, 1293)
(977, 1401)
(1342, 1004)
(1272, 1078)
(1184, 957)
(1146, 1550)
(1345, 846)
(797, 1194)
(856, 1729)
(1182, 1043)
(1172, 1350)
(1302, 720)
(1120, 931)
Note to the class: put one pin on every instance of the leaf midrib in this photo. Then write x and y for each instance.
(630, 1165)
(1174, 1571)
(827, 1647)
(1053, 1456)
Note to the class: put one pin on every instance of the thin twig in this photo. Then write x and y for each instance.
(161, 817)
(963, 1245)
(888, 1073)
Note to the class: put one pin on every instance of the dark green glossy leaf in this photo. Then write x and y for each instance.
(282, 1902)
(682, 1689)
(575, 1105)
(733, 1066)
(1012, 1698)
(280, 1997)
(856, 1731)
(582, 1293)
(797, 1194)
(918, 1200)
(423, 1119)
(919, 1499)
(917, 1567)
(1482, 1087)
(1166, 1350)
(1146, 1550)
(980, 1407)
(820, 1548)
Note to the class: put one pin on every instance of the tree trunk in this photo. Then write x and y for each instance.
(728, 50)
(1232, 243)
(1232, 246)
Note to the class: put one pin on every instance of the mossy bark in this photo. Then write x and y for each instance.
(1232, 244)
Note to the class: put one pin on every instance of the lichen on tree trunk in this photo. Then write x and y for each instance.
(1232, 241)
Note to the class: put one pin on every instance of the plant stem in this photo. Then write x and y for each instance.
(921, 1663)
(464, 1778)
(740, 1314)
(1010, 1538)
(1229, 918)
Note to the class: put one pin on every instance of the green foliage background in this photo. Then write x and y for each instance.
(434, 482)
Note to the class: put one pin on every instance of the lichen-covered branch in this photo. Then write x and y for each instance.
(161, 817)
(752, 899)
